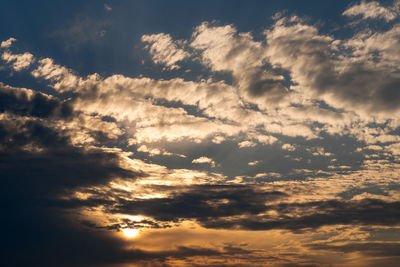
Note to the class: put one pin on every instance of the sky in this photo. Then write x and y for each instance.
(200, 133)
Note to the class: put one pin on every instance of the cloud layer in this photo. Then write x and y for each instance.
(282, 148)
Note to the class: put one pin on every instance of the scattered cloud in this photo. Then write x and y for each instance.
(292, 133)
(18, 61)
(373, 10)
(7, 43)
(204, 160)
(164, 50)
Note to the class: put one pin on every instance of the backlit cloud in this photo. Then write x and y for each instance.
(271, 145)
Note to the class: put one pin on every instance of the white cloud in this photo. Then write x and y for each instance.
(164, 50)
(224, 49)
(18, 61)
(373, 10)
(288, 147)
(203, 160)
(157, 151)
(246, 143)
(63, 78)
(7, 43)
(253, 163)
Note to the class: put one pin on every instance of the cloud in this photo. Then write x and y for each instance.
(373, 10)
(315, 214)
(7, 43)
(255, 207)
(224, 49)
(204, 160)
(379, 249)
(18, 61)
(303, 126)
(38, 164)
(164, 50)
(63, 79)
(26, 102)
(156, 151)
(343, 82)
(202, 202)
(246, 144)
(107, 7)
(253, 163)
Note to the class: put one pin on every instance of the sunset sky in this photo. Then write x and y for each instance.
(200, 133)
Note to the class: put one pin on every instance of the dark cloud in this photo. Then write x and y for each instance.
(217, 206)
(56, 165)
(201, 203)
(37, 165)
(20, 102)
(380, 249)
(57, 241)
(313, 63)
(312, 215)
(259, 84)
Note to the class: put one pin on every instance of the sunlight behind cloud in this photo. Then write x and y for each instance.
(230, 140)
(130, 233)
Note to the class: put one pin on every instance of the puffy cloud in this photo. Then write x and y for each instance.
(164, 50)
(7, 43)
(204, 160)
(373, 10)
(18, 61)
(246, 143)
(223, 49)
(341, 80)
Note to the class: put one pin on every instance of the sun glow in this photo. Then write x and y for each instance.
(130, 233)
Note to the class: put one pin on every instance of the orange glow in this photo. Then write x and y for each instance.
(130, 233)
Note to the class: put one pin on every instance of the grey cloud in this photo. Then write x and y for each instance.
(32, 103)
(315, 65)
(202, 202)
(370, 248)
(312, 215)
(37, 165)
(217, 206)
(222, 48)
